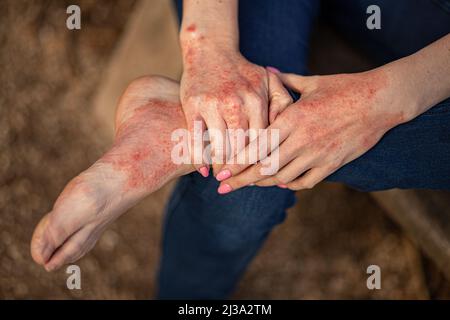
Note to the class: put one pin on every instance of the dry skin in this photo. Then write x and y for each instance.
(48, 135)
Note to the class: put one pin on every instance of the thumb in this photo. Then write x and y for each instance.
(279, 97)
(295, 82)
(196, 127)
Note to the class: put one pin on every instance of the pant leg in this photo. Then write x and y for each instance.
(406, 25)
(209, 239)
(415, 154)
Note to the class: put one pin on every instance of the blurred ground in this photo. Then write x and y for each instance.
(48, 134)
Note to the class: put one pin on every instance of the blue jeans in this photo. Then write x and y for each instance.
(209, 239)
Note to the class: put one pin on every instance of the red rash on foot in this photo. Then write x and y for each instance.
(142, 150)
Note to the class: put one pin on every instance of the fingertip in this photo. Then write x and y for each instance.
(223, 175)
(204, 171)
(224, 188)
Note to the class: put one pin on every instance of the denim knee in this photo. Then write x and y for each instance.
(414, 155)
(229, 221)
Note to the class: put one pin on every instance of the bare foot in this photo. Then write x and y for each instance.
(138, 164)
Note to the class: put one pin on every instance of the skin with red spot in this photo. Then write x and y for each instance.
(138, 163)
(221, 88)
(191, 28)
(144, 157)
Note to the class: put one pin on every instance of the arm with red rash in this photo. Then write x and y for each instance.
(214, 20)
(220, 89)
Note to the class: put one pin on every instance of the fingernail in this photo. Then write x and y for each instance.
(282, 186)
(224, 174)
(273, 69)
(204, 171)
(224, 188)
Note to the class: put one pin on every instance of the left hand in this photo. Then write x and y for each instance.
(337, 119)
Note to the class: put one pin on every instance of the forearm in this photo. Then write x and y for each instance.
(423, 77)
(210, 22)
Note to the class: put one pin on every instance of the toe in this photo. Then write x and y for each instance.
(75, 247)
(40, 247)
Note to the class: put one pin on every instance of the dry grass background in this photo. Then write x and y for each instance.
(48, 133)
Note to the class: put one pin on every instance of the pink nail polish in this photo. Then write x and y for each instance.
(282, 186)
(273, 69)
(204, 171)
(224, 188)
(224, 174)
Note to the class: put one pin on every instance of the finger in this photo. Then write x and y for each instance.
(257, 150)
(259, 171)
(237, 136)
(257, 113)
(196, 128)
(236, 124)
(219, 142)
(309, 179)
(290, 172)
(294, 81)
(279, 97)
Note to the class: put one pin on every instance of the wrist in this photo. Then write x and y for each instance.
(196, 49)
(193, 36)
(211, 22)
(399, 97)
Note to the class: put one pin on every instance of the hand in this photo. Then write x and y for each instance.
(337, 119)
(221, 90)
(138, 163)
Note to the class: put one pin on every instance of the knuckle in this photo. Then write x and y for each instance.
(252, 100)
(232, 100)
(192, 101)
